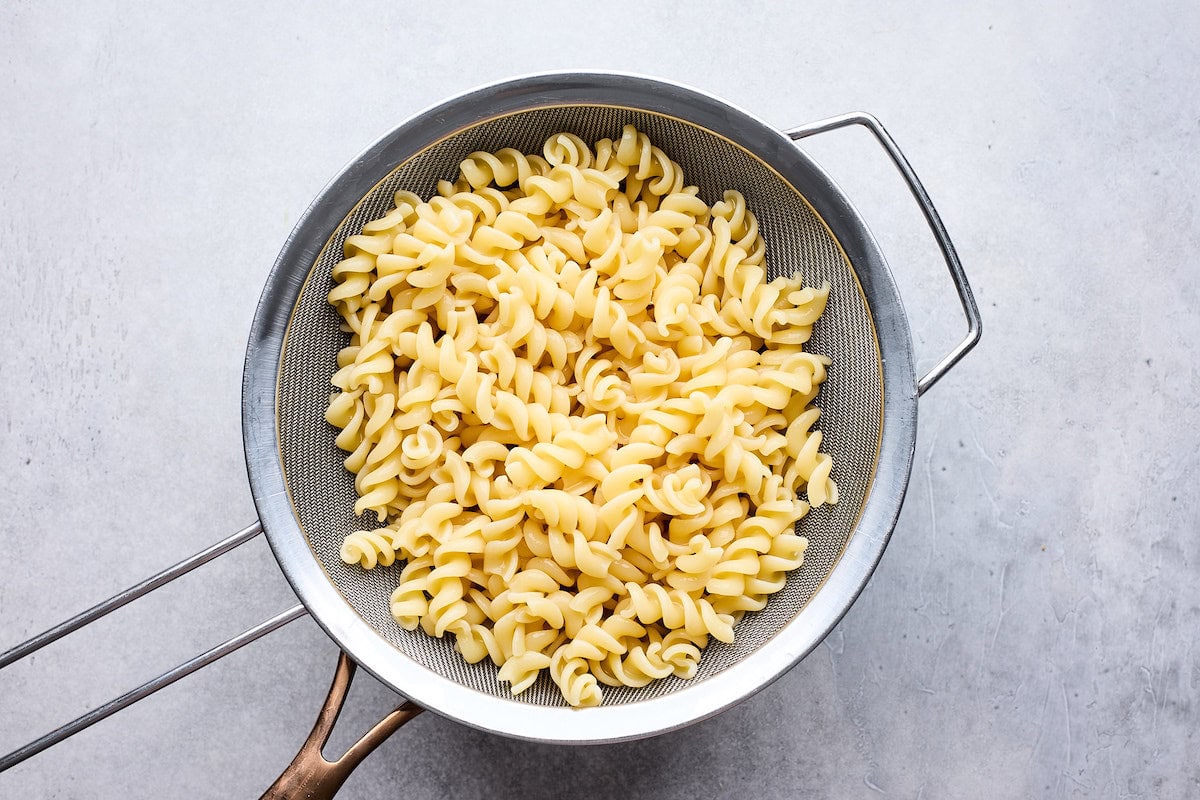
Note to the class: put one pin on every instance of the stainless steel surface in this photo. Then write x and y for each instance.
(965, 295)
(150, 687)
(304, 495)
(35, 643)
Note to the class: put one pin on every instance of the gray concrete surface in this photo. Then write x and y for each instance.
(1031, 632)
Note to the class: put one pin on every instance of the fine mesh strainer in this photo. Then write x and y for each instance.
(305, 496)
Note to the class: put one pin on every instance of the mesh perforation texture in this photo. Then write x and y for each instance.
(851, 400)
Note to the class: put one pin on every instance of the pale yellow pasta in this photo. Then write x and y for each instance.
(580, 412)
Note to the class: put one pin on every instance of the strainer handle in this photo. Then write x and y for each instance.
(312, 776)
(965, 295)
(105, 607)
(150, 687)
(35, 643)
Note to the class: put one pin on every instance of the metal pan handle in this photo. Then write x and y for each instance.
(167, 678)
(965, 295)
(311, 775)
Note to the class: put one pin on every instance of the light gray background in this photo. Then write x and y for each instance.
(1031, 632)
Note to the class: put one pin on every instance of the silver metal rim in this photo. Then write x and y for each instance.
(606, 723)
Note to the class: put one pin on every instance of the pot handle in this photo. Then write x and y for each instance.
(965, 295)
(313, 777)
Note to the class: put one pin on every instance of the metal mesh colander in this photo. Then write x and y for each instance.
(798, 242)
(304, 496)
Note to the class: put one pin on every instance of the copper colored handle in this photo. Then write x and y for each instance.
(310, 775)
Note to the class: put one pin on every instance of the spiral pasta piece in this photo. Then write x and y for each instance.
(581, 414)
(368, 548)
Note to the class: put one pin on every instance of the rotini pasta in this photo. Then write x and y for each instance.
(579, 410)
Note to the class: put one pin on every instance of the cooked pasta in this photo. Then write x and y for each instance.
(579, 411)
